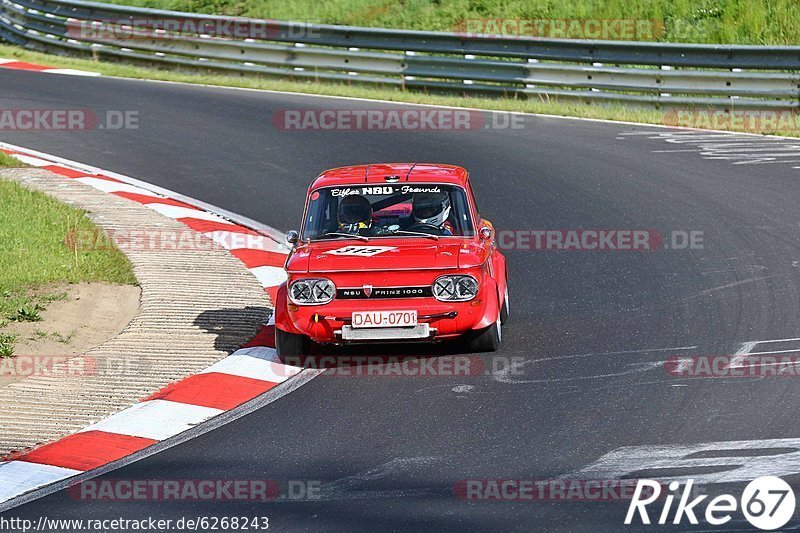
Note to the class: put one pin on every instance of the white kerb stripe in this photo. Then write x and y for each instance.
(19, 477)
(261, 352)
(32, 161)
(175, 211)
(155, 419)
(2, 61)
(114, 186)
(251, 366)
(71, 72)
(269, 276)
(230, 240)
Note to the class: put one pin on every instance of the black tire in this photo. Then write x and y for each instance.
(504, 310)
(487, 340)
(289, 344)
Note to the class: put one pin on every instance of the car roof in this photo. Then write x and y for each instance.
(406, 172)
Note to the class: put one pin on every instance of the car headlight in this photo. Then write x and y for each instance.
(312, 291)
(455, 288)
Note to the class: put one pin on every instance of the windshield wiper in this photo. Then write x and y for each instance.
(348, 235)
(417, 233)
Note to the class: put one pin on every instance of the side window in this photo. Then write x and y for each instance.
(321, 216)
(330, 220)
(474, 200)
(463, 225)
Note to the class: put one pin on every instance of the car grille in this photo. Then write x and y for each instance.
(370, 293)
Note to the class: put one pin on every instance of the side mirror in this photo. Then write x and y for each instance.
(485, 233)
(292, 237)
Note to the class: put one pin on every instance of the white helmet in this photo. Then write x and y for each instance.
(431, 207)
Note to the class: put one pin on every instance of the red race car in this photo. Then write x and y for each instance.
(392, 253)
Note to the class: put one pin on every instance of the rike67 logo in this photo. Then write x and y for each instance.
(767, 503)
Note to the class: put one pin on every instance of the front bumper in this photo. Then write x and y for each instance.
(420, 332)
(331, 323)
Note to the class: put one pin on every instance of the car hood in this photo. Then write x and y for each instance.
(378, 254)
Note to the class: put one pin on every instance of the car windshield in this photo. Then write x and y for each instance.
(407, 210)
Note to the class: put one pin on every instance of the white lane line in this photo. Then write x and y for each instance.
(256, 365)
(758, 161)
(741, 354)
(686, 130)
(19, 477)
(779, 340)
(706, 292)
(174, 211)
(775, 352)
(684, 363)
(756, 147)
(736, 148)
(671, 130)
(155, 419)
(269, 276)
(623, 352)
(682, 138)
(744, 466)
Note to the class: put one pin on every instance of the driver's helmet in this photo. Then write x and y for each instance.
(355, 213)
(431, 208)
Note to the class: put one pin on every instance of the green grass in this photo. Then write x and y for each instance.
(34, 253)
(30, 312)
(7, 344)
(6, 161)
(63, 339)
(698, 21)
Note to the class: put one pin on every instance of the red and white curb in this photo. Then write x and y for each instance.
(13, 64)
(179, 407)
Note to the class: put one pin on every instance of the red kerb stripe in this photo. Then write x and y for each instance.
(87, 450)
(213, 389)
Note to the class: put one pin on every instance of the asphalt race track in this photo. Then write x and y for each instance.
(590, 331)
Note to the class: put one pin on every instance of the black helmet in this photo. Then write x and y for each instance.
(354, 209)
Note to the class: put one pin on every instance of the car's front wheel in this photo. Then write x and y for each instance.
(487, 340)
(505, 309)
(290, 344)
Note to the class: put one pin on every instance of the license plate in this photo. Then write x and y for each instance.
(384, 319)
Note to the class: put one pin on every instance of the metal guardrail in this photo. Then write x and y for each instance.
(650, 74)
